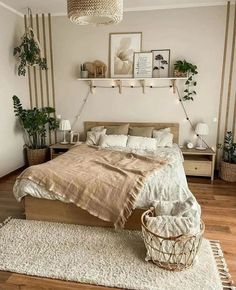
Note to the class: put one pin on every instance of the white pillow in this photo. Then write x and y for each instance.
(142, 143)
(163, 138)
(97, 129)
(94, 137)
(107, 141)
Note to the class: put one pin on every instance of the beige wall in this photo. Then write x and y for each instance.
(11, 140)
(196, 34)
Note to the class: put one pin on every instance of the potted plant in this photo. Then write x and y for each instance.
(29, 53)
(36, 123)
(228, 163)
(189, 70)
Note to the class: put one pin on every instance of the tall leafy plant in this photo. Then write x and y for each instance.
(229, 149)
(36, 123)
(190, 70)
(29, 53)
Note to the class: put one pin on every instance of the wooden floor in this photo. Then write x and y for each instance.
(218, 203)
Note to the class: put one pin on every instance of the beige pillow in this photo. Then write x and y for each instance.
(141, 131)
(94, 137)
(118, 130)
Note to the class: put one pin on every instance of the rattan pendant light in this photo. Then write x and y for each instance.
(95, 12)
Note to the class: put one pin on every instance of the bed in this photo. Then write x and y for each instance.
(169, 183)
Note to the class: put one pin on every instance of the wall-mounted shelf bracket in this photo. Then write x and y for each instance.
(174, 86)
(143, 84)
(92, 87)
(119, 85)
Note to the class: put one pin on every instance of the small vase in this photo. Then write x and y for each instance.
(84, 74)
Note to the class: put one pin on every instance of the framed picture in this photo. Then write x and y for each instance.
(161, 63)
(143, 64)
(74, 137)
(122, 47)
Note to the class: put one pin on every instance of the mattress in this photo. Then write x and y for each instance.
(169, 183)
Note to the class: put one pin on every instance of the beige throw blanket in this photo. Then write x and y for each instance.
(103, 182)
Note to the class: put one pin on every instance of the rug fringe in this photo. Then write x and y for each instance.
(5, 222)
(227, 282)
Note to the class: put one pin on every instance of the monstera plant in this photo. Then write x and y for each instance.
(36, 124)
(29, 53)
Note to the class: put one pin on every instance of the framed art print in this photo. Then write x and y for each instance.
(122, 47)
(143, 64)
(161, 63)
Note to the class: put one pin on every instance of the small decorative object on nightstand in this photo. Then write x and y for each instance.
(65, 126)
(199, 163)
(58, 149)
(201, 130)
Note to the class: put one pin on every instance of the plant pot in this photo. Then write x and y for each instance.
(179, 74)
(84, 74)
(37, 156)
(228, 171)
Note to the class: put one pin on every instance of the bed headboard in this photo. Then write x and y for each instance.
(174, 127)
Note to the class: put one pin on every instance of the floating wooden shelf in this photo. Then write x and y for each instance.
(119, 82)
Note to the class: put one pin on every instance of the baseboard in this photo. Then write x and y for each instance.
(13, 172)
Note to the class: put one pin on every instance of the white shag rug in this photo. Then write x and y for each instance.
(98, 256)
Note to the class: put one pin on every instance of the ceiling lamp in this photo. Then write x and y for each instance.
(96, 12)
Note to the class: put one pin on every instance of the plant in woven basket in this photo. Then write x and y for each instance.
(229, 149)
(184, 68)
(29, 53)
(36, 123)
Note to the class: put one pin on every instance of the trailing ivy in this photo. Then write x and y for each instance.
(29, 53)
(190, 70)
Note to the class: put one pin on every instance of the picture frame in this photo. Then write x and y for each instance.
(74, 137)
(161, 63)
(143, 64)
(122, 47)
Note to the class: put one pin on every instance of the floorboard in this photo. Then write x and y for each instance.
(218, 201)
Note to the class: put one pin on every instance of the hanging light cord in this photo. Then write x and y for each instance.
(187, 116)
(85, 100)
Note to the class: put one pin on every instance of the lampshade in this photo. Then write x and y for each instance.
(65, 125)
(202, 129)
(84, 12)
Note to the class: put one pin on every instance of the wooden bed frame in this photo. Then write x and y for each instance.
(57, 211)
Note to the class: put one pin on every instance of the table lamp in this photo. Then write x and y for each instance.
(64, 126)
(201, 130)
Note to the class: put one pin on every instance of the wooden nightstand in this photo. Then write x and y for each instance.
(199, 163)
(58, 149)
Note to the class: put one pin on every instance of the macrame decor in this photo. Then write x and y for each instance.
(95, 12)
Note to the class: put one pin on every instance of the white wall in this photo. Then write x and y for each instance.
(11, 138)
(194, 34)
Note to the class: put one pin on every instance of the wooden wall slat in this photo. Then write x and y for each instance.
(28, 69)
(40, 71)
(231, 73)
(223, 72)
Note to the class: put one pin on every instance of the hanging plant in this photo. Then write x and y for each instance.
(189, 70)
(29, 53)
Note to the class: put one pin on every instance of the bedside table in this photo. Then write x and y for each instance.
(58, 149)
(199, 162)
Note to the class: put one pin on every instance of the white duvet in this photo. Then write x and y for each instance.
(167, 184)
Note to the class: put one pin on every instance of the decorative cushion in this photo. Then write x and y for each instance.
(107, 141)
(142, 143)
(98, 129)
(163, 138)
(118, 130)
(93, 137)
(141, 131)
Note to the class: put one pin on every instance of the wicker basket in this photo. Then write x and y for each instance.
(172, 253)
(37, 156)
(228, 171)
